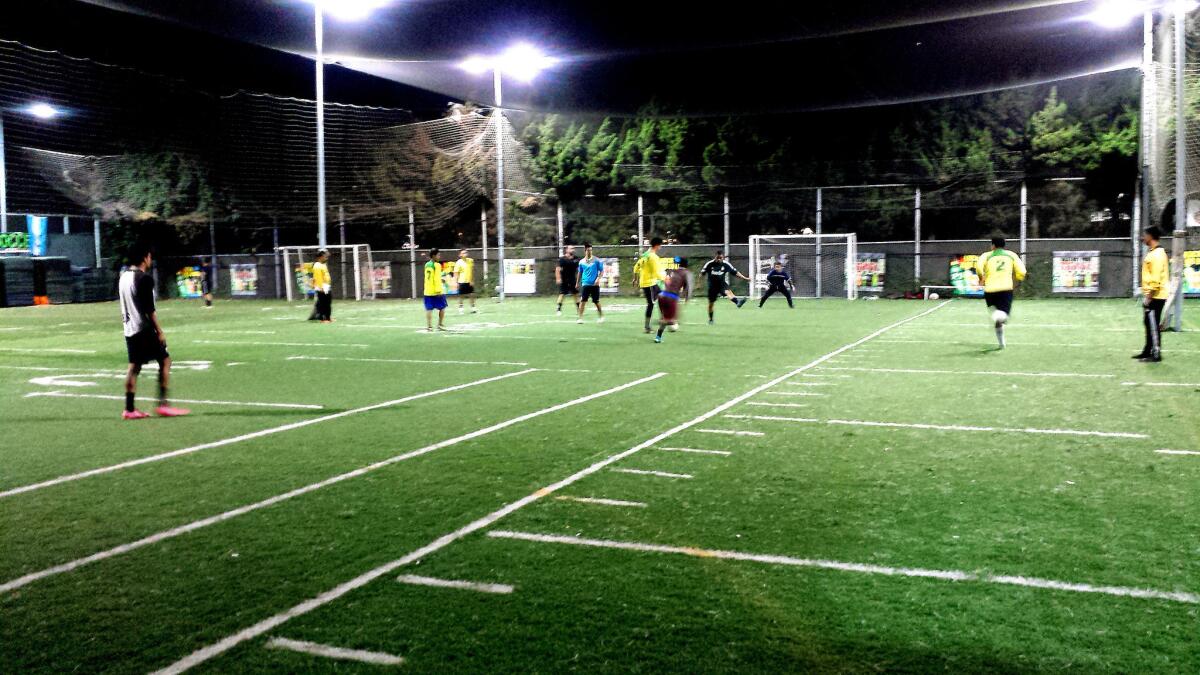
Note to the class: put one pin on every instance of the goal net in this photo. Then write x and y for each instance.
(821, 265)
(349, 265)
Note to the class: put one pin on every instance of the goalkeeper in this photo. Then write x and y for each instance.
(323, 286)
(999, 269)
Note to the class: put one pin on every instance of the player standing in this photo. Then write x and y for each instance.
(208, 282)
(566, 274)
(144, 339)
(435, 291)
(780, 282)
(998, 269)
(717, 272)
(1155, 288)
(464, 275)
(323, 287)
(674, 285)
(648, 274)
(590, 269)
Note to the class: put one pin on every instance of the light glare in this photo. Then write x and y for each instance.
(524, 62)
(42, 111)
(476, 65)
(349, 10)
(1117, 13)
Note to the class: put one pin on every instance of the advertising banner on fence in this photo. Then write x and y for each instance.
(610, 278)
(190, 282)
(1076, 272)
(1191, 273)
(243, 279)
(303, 273)
(381, 278)
(964, 278)
(14, 242)
(520, 276)
(870, 271)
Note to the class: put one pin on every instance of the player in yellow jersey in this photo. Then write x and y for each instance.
(1156, 286)
(323, 287)
(649, 272)
(435, 291)
(999, 269)
(464, 274)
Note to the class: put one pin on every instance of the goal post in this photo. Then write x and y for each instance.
(821, 265)
(348, 260)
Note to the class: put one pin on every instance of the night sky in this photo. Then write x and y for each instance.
(617, 55)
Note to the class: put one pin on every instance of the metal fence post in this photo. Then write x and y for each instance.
(483, 238)
(917, 236)
(96, 238)
(412, 251)
(725, 218)
(1024, 219)
(820, 226)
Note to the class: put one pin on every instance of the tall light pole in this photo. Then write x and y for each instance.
(522, 62)
(41, 111)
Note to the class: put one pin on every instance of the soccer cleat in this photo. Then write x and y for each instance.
(710, 322)
(558, 313)
(1141, 355)
(658, 339)
(600, 320)
(474, 311)
(741, 301)
(460, 310)
(168, 411)
(134, 415)
(442, 328)
(579, 320)
(1152, 358)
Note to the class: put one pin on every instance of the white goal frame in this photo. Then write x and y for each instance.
(359, 253)
(850, 240)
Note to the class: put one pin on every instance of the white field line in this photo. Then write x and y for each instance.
(698, 451)
(1039, 344)
(1161, 384)
(812, 384)
(1178, 452)
(838, 377)
(925, 371)
(259, 343)
(250, 632)
(237, 332)
(794, 393)
(43, 350)
(312, 487)
(660, 474)
(777, 405)
(464, 336)
(861, 568)
(731, 432)
(252, 435)
(428, 361)
(502, 589)
(978, 324)
(602, 501)
(252, 404)
(945, 427)
(340, 653)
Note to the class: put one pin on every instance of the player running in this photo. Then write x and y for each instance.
(717, 272)
(779, 281)
(1155, 287)
(566, 274)
(590, 269)
(144, 339)
(674, 285)
(435, 291)
(323, 287)
(998, 269)
(464, 275)
(648, 275)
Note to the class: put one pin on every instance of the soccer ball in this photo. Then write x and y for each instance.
(999, 317)
(674, 328)
(934, 296)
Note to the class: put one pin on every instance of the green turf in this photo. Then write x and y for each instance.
(1105, 511)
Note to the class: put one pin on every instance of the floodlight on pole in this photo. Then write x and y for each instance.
(42, 111)
(1114, 14)
(38, 110)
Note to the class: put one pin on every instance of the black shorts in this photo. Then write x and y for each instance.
(144, 347)
(567, 288)
(590, 293)
(1001, 300)
(715, 291)
(650, 293)
(465, 289)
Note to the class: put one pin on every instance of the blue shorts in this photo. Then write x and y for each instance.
(433, 302)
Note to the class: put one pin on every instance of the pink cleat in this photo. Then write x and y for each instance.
(168, 411)
(134, 415)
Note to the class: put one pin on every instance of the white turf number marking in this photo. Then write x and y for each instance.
(601, 501)
(660, 474)
(340, 653)
(479, 587)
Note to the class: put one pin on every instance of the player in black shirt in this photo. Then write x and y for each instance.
(780, 282)
(566, 274)
(717, 272)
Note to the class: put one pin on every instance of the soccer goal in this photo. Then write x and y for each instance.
(821, 265)
(349, 265)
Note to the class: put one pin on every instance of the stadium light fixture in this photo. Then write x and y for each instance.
(349, 10)
(1115, 14)
(42, 111)
(38, 110)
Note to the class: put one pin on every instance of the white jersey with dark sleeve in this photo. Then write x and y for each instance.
(136, 292)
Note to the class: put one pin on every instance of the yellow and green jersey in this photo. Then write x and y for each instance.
(1156, 274)
(464, 270)
(998, 269)
(649, 269)
(433, 279)
(320, 275)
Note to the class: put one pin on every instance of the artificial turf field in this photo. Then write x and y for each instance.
(880, 490)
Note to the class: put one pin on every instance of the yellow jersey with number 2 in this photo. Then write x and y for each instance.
(998, 269)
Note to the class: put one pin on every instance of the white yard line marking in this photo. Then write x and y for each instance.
(340, 653)
(257, 343)
(839, 377)
(794, 393)
(731, 432)
(861, 568)
(415, 580)
(1161, 384)
(429, 361)
(43, 350)
(926, 371)
(312, 487)
(237, 332)
(698, 451)
(250, 632)
(812, 384)
(660, 474)
(777, 405)
(1178, 452)
(1038, 344)
(252, 404)
(602, 501)
(944, 427)
(255, 434)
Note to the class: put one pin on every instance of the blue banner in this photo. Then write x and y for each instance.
(38, 235)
